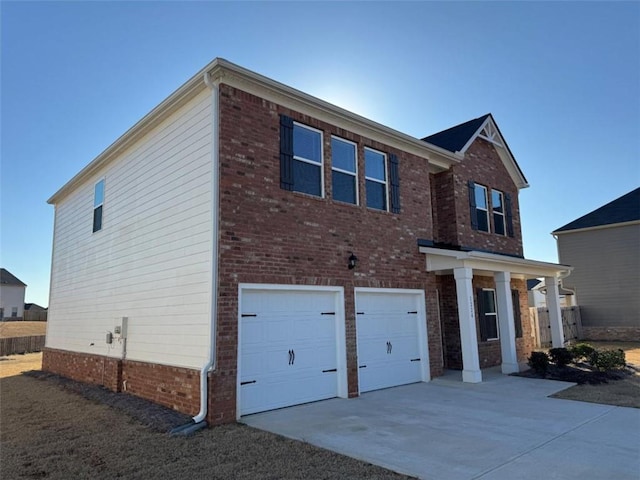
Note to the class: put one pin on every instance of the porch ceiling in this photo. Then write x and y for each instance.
(444, 261)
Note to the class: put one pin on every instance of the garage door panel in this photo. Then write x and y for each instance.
(284, 322)
(388, 339)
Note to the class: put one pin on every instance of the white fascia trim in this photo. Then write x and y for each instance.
(259, 85)
(598, 227)
(440, 259)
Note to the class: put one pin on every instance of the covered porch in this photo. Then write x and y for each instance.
(463, 266)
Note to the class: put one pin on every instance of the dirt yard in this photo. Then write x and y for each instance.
(22, 329)
(48, 432)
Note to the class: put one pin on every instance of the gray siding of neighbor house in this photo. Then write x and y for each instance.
(606, 275)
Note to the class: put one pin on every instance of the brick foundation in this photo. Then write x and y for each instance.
(174, 387)
(617, 334)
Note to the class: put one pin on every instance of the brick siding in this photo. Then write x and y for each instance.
(173, 387)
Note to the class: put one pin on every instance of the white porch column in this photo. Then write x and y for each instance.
(506, 322)
(466, 317)
(555, 317)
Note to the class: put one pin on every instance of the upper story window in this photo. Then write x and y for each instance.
(98, 202)
(497, 206)
(482, 207)
(302, 168)
(344, 171)
(500, 210)
(307, 160)
(376, 178)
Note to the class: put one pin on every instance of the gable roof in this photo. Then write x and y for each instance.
(459, 138)
(7, 278)
(532, 283)
(455, 138)
(621, 210)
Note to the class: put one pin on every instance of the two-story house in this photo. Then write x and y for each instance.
(246, 246)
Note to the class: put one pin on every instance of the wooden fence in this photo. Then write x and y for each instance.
(571, 325)
(35, 316)
(14, 345)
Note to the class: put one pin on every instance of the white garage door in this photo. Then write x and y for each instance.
(391, 334)
(288, 352)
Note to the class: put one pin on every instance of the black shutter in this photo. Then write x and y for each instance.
(517, 319)
(394, 179)
(482, 318)
(286, 152)
(509, 214)
(472, 205)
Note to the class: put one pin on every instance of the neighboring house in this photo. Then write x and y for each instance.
(604, 248)
(246, 246)
(538, 294)
(12, 291)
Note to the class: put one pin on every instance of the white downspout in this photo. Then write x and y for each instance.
(215, 204)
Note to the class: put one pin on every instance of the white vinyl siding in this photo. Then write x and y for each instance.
(152, 259)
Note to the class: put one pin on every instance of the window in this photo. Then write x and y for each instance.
(482, 208)
(517, 319)
(98, 201)
(487, 314)
(375, 179)
(1, 313)
(14, 311)
(497, 206)
(307, 160)
(343, 171)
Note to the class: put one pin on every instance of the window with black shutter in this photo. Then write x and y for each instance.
(300, 157)
(509, 214)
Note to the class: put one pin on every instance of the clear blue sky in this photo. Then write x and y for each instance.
(561, 79)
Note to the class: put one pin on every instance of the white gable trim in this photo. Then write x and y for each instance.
(490, 132)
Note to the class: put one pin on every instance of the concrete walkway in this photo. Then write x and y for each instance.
(504, 428)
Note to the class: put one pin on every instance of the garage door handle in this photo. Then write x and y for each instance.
(290, 357)
(415, 360)
(362, 366)
(247, 383)
(389, 347)
(330, 370)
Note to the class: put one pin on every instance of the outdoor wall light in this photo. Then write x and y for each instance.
(353, 261)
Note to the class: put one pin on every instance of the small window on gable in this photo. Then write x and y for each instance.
(344, 171)
(497, 206)
(481, 207)
(98, 202)
(375, 179)
(307, 160)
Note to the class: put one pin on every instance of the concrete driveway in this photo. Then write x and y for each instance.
(504, 428)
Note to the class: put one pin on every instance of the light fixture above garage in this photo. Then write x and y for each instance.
(353, 261)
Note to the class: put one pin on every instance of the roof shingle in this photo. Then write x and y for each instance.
(623, 209)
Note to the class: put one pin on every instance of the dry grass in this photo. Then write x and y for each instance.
(47, 432)
(22, 329)
(16, 364)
